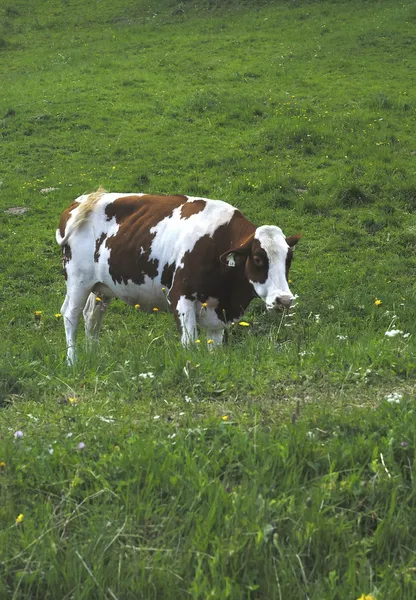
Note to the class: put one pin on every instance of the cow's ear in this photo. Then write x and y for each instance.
(293, 240)
(236, 256)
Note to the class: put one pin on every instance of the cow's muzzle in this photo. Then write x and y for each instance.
(281, 302)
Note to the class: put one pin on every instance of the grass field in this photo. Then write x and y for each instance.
(280, 466)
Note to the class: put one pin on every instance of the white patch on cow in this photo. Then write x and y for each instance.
(175, 235)
(187, 319)
(275, 289)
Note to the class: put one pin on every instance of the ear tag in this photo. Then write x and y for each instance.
(231, 259)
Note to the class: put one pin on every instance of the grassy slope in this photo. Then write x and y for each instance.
(301, 115)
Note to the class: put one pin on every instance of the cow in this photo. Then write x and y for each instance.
(200, 258)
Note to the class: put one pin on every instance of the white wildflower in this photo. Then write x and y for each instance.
(47, 190)
(394, 397)
(393, 332)
(105, 419)
(148, 375)
(156, 417)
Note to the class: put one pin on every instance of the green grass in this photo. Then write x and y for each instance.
(274, 467)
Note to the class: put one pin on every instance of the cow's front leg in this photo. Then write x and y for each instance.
(184, 310)
(216, 335)
(208, 319)
(94, 311)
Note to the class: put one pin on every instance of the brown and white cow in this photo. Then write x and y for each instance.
(200, 258)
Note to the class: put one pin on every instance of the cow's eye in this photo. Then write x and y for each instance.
(258, 261)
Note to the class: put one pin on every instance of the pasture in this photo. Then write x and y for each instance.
(280, 466)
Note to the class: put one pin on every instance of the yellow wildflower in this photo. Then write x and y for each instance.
(197, 341)
(58, 315)
(155, 310)
(377, 302)
(72, 400)
(163, 289)
(224, 417)
(19, 519)
(366, 597)
(2, 465)
(38, 315)
(244, 324)
(97, 299)
(210, 341)
(204, 304)
(137, 306)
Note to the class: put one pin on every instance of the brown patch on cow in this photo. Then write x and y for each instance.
(128, 206)
(239, 253)
(167, 275)
(65, 216)
(250, 254)
(66, 257)
(257, 265)
(192, 208)
(130, 247)
(203, 275)
(98, 243)
(66, 254)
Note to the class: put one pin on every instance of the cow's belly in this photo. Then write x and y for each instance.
(149, 295)
(149, 292)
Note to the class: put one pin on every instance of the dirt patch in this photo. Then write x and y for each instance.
(16, 210)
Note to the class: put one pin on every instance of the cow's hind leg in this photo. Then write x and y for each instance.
(94, 312)
(71, 312)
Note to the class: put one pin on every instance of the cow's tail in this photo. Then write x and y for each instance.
(81, 216)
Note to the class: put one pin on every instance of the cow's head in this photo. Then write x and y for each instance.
(266, 256)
